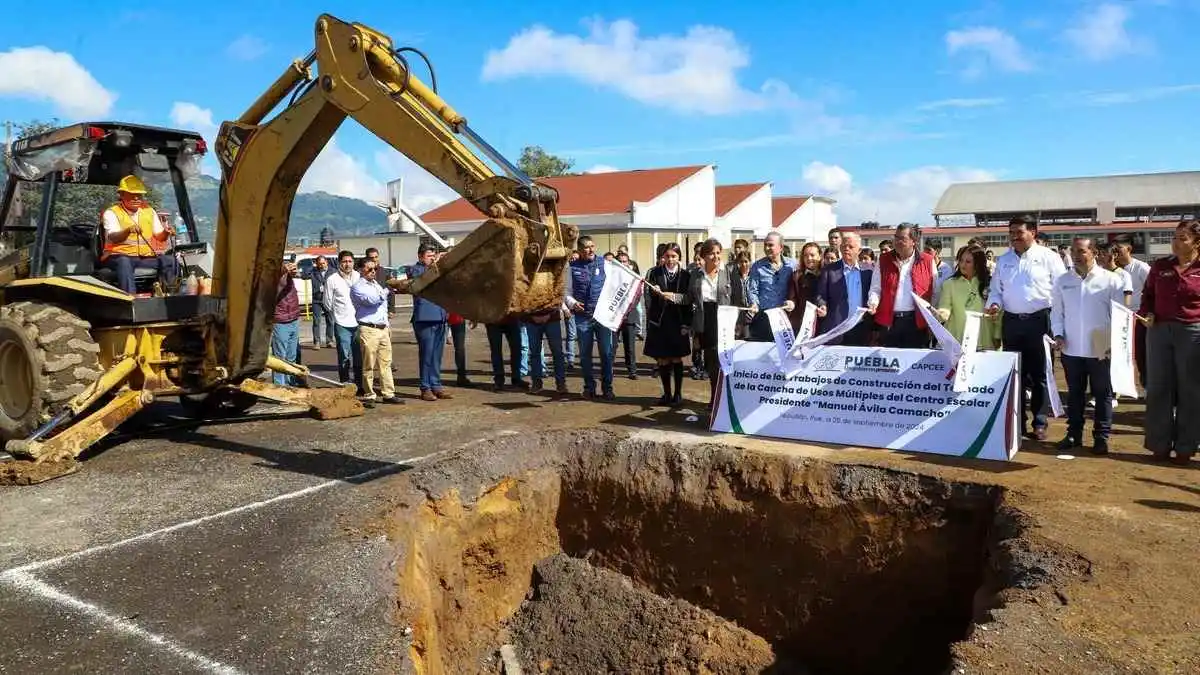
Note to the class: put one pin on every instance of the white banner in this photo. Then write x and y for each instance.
(970, 341)
(899, 399)
(622, 288)
(1051, 386)
(727, 317)
(1121, 367)
(945, 340)
(781, 327)
(802, 350)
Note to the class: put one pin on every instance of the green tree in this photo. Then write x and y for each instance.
(74, 202)
(537, 163)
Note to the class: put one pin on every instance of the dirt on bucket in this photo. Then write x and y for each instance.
(28, 472)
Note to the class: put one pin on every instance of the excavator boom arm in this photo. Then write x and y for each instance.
(514, 264)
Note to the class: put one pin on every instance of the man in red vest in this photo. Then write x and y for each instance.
(900, 272)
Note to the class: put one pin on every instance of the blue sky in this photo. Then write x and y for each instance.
(877, 104)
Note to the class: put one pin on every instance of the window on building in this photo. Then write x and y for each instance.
(1161, 236)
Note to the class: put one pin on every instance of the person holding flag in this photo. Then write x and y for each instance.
(587, 283)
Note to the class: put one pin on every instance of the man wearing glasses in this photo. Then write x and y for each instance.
(375, 337)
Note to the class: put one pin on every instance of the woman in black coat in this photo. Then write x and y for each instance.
(668, 322)
(710, 287)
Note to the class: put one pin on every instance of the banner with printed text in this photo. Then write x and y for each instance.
(898, 399)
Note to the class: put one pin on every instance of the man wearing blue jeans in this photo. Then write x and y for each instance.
(429, 324)
(345, 323)
(285, 333)
(547, 324)
(587, 280)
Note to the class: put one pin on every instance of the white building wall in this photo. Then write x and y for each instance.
(690, 205)
(810, 222)
(752, 215)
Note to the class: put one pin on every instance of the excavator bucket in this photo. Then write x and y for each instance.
(501, 269)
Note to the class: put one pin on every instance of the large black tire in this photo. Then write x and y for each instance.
(47, 355)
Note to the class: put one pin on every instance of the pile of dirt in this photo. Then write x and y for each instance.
(585, 619)
(23, 472)
(333, 404)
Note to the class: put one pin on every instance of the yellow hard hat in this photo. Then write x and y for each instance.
(132, 185)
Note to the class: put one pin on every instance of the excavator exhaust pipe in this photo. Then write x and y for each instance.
(503, 269)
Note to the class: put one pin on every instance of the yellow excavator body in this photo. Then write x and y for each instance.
(213, 348)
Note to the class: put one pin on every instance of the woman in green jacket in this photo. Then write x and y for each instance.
(967, 291)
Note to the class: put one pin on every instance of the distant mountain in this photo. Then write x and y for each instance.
(311, 212)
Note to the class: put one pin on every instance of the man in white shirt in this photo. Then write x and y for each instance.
(1021, 292)
(1139, 271)
(370, 300)
(1081, 319)
(338, 303)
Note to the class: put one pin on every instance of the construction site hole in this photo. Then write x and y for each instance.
(651, 557)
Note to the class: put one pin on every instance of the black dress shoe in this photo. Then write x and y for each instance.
(392, 400)
(1100, 447)
(1069, 443)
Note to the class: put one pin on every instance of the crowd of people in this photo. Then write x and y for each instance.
(1024, 295)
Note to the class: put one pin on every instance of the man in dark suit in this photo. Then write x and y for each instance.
(842, 288)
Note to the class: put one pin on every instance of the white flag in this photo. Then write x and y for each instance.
(1121, 366)
(622, 288)
(962, 374)
(1056, 406)
(802, 350)
(781, 327)
(808, 325)
(945, 340)
(727, 317)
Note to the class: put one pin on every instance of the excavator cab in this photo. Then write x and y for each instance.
(59, 182)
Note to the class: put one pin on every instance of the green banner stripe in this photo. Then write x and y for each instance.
(734, 423)
(981, 439)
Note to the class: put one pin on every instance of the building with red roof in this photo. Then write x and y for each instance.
(639, 208)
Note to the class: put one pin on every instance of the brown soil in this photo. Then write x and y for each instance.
(331, 404)
(584, 619)
(1126, 600)
(23, 472)
(844, 569)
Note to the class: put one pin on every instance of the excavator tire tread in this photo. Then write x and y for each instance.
(64, 358)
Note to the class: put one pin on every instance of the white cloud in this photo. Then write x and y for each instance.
(602, 168)
(960, 103)
(422, 191)
(905, 196)
(695, 73)
(988, 45)
(1100, 34)
(191, 117)
(339, 173)
(41, 74)
(1124, 97)
(246, 48)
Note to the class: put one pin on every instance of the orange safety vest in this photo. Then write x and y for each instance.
(138, 247)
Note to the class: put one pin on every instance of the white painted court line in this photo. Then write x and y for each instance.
(25, 581)
(245, 508)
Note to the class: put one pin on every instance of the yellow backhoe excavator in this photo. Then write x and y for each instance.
(78, 356)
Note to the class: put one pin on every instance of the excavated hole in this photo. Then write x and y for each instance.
(646, 557)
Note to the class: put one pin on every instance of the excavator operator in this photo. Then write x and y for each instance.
(133, 233)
